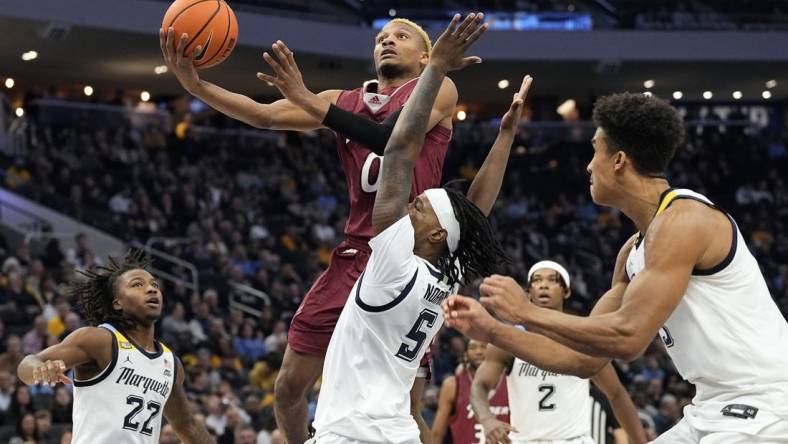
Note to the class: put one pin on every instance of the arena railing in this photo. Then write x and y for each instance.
(192, 284)
(96, 115)
(251, 292)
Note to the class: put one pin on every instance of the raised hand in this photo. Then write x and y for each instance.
(512, 117)
(287, 77)
(50, 373)
(177, 61)
(448, 54)
(505, 297)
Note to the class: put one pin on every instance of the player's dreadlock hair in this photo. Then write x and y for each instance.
(478, 253)
(96, 291)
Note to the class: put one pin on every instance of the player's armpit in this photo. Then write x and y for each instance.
(83, 346)
(179, 415)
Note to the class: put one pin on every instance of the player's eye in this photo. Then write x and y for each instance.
(403, 36)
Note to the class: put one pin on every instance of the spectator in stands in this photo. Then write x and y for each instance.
(174, 324)
(17, 175)
(21, 404)
(73, 322)
(81, 255)
(62, 405)
(36, 338)
(244, 434)
(65, 436)
(13, 355)
(45, 431)
(25, 430)
(7, 381)
(248, 344)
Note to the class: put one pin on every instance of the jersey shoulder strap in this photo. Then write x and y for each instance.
(682, 193)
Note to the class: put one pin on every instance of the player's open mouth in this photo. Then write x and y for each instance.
(387, 52)
(153, 302)
(544, 298)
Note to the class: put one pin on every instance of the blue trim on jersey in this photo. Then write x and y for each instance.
(149, 355)
(433, 271)
(728, 259)
(390, 305)
(107, 370)
(731, 252)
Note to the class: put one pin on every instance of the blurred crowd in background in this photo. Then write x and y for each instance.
(264, 211)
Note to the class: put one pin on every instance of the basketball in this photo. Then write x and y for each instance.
(209, 23)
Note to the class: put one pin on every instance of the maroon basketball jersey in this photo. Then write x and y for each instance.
(362, 166)
(464, 428)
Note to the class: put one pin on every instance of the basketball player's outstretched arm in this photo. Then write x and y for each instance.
(446, 398)
(469, 317)
(85, 346)
(484, 381)
(622, 405)
(676, 241)
(178, 414)
(487, 183)
(406, 140)
(300, 110)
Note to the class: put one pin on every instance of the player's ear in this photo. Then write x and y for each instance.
(437, 235)
(567, 293)
(620, 158)
(425, 58)
(116, 305)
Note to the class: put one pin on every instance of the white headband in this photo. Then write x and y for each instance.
(439, 199)
(555, 266)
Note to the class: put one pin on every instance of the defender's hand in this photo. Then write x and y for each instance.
(512, 117)
(504, 296)
(448, 54)
(468, 317)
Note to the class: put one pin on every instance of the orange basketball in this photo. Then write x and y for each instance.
(209, 23)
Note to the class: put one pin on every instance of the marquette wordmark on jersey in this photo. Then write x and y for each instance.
(129, 377)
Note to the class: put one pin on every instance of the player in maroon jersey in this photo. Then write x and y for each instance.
(454, 403)
(363, 119)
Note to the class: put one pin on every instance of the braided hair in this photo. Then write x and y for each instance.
(96, 293)
(478, 253)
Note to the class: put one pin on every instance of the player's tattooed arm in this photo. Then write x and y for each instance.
(179, 414)
(84, 346)
(406, 140)
(485, 380)
(487, 183)
(623, 408)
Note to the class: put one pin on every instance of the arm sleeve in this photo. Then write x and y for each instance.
(392, 260)
(361, 130)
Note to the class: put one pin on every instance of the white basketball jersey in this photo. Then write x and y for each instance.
(391, 316)
(125, 402)
(547, 406)
(727, 335)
